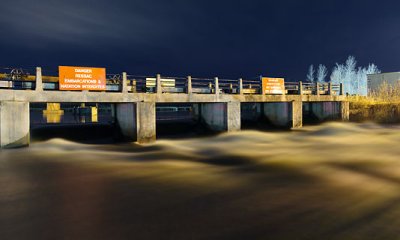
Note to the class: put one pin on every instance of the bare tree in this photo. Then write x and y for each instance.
(354, 79)
(310, 74)
(322, 72)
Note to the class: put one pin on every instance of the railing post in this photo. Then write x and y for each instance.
(158, 84)
(317, 88)
(330, 92)
(240, 86)
(216, 86)
(300, 88)
(341, 89)
(189, 85)
(39, 79)
(124, 87)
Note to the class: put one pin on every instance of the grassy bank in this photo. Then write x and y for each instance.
(382, 106)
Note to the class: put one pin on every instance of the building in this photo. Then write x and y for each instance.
(376, 80)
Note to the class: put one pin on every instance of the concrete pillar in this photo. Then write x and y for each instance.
(214, 115)
(126, 119)
(284, 114)
(137, 121)
(146, 122)
(158, 84)
(39, 79)
(297, 114)
(241, 86)
(14, 124)
(317, 88)
(124, 87)
(233, 116)
(189, 85)
(216, 86)
(345, 111)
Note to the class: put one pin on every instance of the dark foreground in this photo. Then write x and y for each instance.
(337, 181)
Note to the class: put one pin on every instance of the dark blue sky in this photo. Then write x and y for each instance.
(200, 37)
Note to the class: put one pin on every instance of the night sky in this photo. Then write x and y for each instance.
(203, 38)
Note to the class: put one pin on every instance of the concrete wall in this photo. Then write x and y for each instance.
(233, 116)
(297, 114)
(137, 121)
(376, 80)
(126, 119)
(221, 116)
(14, 124)
(146, 122)
(214, 115)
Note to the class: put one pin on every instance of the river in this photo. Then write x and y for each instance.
(333, 181)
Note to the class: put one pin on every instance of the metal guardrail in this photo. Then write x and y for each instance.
(19, 80)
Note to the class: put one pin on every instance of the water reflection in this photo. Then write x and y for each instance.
(54, 113)
(336, 181)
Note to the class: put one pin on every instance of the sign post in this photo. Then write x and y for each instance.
(81, 78)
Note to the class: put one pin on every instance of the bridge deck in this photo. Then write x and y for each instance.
(107, 97)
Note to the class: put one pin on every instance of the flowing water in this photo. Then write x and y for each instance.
(334, 181)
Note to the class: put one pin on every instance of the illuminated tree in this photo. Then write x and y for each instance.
(322, 72)
(310, 74)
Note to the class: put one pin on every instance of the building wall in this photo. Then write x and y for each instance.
(375, 80)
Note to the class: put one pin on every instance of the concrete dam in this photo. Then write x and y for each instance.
(217, 102)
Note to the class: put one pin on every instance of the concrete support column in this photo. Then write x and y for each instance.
(317, 88)
(137, 121)
(158, 84)
(233, 116)
(345, 111)
(330, 92)
(189, 85)
(297, 114)
(124, 87)
(126, 118)
(14, 124)
(241, 86)
(214, 115)
(39, 79)
(146, 122)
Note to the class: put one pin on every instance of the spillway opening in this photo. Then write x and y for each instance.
(319, 112)
(86, 123)
(265, 116)
(179, 120)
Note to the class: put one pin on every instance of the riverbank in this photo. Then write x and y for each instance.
(375, 112)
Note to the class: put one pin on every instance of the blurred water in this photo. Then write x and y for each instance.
(335, 181)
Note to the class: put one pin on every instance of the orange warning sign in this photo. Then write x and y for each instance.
(273, 85)
(82, 78)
